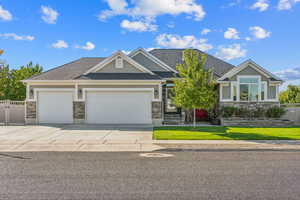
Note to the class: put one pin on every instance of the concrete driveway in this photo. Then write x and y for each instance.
(76, 138)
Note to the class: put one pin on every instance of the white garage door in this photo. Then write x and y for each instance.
(119, 107)
(55, 107)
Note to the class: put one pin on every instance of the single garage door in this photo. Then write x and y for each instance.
(119, 107)
(55, 107)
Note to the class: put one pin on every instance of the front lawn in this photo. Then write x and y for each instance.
(226, 133)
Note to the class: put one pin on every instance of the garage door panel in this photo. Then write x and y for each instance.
(55, 107)
(119, 107)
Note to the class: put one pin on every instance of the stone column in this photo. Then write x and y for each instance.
(30, 117)
(157, 113)
(79, 112)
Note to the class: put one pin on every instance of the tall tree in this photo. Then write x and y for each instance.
(195, 89)
(11, 86)
(291, 95)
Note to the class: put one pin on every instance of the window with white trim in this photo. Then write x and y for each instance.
(263, 94)
(249, 88)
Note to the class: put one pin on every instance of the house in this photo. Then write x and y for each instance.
(134, 88)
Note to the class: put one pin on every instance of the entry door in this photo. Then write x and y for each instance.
(119, 107)
(55, 107)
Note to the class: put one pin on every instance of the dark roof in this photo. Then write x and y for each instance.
(119, 76)
(172, 57)
(68, 71)
(166, 74)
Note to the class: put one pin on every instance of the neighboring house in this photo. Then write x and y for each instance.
(134, 88)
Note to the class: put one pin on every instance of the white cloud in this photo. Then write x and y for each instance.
(231, 33)
(289, 74)
(5, 15)
(286, 4)
(247, 38)
(60, 44)
(188, 41)
(205, 31)
(259, 32)
(49, 14)
(16, 37)
(231, 52)
(126, 52)
(88, 46)
(138, 26)
(261, 5)
(153, 8)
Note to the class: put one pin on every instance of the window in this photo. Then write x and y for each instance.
(170, 107)
(225, 92)
(249, 88)
(119, 63)
(272, 92)
(263, 91)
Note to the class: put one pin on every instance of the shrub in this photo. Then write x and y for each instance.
(242, 112)
(254, 112)
(275, 112)
(228, 111)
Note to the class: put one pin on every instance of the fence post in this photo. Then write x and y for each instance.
(6, 111)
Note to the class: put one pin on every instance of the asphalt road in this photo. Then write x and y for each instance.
(186, 175)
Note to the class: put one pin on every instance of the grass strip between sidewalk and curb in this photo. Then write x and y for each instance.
(226, 133)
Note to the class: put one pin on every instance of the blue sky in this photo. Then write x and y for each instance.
(53, 32)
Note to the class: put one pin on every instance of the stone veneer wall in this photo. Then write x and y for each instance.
(256, 122)
(157, 114)
(249, 104)
(30, 117)
(79, 111)
(31, 110)
(157, 110)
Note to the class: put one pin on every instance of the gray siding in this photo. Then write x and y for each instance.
(127, 68)
(148, 63)
(248, 71)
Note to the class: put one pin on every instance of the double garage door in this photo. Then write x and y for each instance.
(105, 107)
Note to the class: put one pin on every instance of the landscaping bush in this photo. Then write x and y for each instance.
(275, 112)
(254, 112)
(228, 111)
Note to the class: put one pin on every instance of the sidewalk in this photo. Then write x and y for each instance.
(149, 146)
(230, 144)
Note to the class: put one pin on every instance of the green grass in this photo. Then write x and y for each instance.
(226, 133)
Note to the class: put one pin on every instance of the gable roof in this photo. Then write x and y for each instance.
(255, 66)
(172, 57)
(107, 60)
(152, 58)
(70, 70)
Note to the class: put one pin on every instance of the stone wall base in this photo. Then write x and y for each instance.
(30, 121)
(157, 122)
(79, 121)
(256, 122)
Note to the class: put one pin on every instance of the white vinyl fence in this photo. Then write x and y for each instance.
(12, 112)
(292, 112)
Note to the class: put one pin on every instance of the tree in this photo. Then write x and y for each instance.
(11, 86)
(291, 95)
(195, 89)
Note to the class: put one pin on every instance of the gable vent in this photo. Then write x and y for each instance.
(119, 63)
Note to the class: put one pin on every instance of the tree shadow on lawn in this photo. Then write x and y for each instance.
(235, 135)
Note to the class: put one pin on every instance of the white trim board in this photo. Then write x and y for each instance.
(85, 90)
(114, 56)
(36, 90)
(153, 58)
